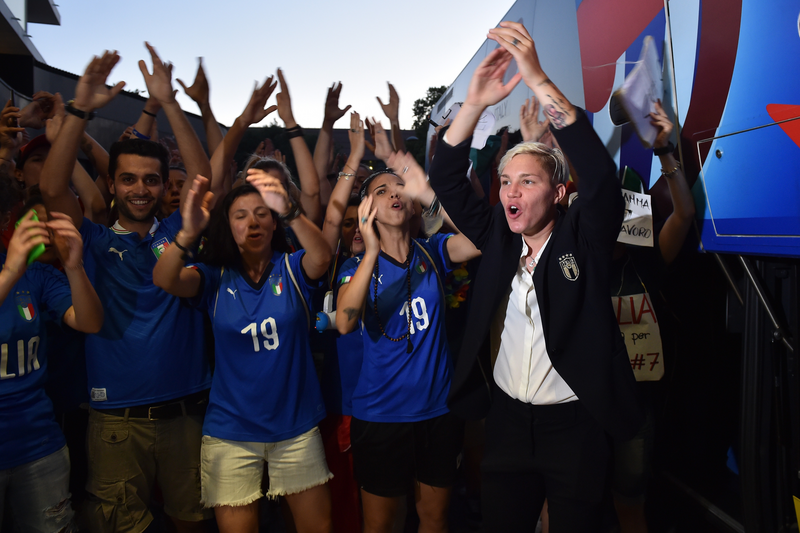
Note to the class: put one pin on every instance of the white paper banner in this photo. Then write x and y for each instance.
(637, 226)
(639, 327)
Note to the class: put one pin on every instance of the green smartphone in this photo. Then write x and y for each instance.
(39, 248)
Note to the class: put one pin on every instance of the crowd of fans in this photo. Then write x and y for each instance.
(163, 315)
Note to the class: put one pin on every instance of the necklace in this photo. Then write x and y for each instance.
(532, 263)
(375, 277)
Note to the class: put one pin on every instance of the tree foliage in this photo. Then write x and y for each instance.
(422, 111)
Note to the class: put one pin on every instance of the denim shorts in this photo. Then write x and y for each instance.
(231, 471)
(37, 494)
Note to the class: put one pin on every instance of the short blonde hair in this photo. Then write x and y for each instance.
(551, 159)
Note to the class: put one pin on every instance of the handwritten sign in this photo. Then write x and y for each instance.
(637, 226)
(639, 327)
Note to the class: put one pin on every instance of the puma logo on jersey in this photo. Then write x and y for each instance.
(380, 282)
(112, 249)
(233, 293)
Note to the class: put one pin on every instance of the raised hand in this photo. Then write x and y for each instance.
(660, 120)
(414, 177)
(285, 103)
(159, 83)
(127, 134)
(383, 148)
(91, 91)
(391, 109)
(199, 91)
(196, 210)
(516, 40)
(532, 129)
(53, 125)
(332, 111)
(38, 111)
(256, 109)
(67, 240)
(271, 189)
(486, 86)
(356, 135)
(10, 133)
(28, 235)
(366, 225)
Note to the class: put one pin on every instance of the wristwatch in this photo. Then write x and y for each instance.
(83, 115)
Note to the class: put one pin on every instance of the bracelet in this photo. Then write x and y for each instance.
(347, 166)
(346, 176)
(297, 131)
(669, 173)
(13, 271)
(141, 136)
(664, 150)
(83, 115)
(433, 209)
(185, 251)
(294, 212)
(146, 112)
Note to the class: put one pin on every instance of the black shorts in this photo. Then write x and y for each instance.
(389, 456)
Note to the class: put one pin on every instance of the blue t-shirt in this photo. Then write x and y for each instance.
(28, 430)
(150, 348)
(396, 386)
(342, 362)
(265, 386)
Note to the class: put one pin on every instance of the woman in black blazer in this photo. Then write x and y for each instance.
(542, 441)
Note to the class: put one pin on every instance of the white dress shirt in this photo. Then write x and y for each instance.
(523, 369)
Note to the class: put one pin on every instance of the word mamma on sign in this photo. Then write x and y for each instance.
(637, 226)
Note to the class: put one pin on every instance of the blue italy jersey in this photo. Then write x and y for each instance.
(265, 386)
(150, 349)
(341, 364)
(396, 386)
(28, 430)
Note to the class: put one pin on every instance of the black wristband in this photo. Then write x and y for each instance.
(83, 115)
(186, 252)
(294, 212)
(297, 131)
(664, 150)
(146, 112)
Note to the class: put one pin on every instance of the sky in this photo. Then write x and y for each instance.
(415, 44)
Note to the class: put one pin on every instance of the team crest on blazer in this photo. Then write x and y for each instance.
(569, 267)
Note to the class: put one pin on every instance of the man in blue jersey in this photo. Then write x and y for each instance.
(147, 373)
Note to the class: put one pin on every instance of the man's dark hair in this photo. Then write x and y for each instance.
(221, 250)
(142, 148)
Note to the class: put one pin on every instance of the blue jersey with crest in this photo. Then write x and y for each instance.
(150, 348)
(265, 387)
(396, 386)
(28, 430)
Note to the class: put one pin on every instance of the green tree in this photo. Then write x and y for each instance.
(422, 111)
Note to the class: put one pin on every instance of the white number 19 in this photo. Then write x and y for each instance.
(270, 334)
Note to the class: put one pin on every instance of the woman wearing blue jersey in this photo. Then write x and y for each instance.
(34, 462)
(265, 400)
(402, 432)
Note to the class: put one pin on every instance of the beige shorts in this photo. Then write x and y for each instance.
(128, 456)
(231, 471)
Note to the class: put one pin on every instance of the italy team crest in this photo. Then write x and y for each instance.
(25, 306)
(422, 266)
(160, 246)
(276, 283)
(569, 267)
